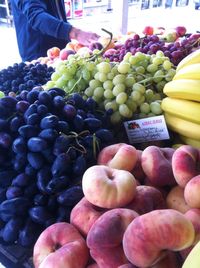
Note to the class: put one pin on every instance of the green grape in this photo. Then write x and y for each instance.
(144, 63)
(139, 77)
(140, 101)
(167, 65)
(102, 77)
(60, 82)
(105, 102)
(96, 76)
(71, 83)
(124, 110)
(108, 94)
(118, 89)
(55, 76)
(90, 66)
(129, 81)
(108, 84)
(157, 61)
(155, 108)
(89, 92)
(156, 96)
(121, 98)
(145, 107)
(111, 105)
(119, 79)
(86, 75)
(67, 76)
(127, 56)
(98, 92)
(72, 69)
(158, 76)
(98, 100)
(110, 76)
(133, 60)
(114, 69)
(104, 67)
(171, 72)
(135, 95)
(139, 87)
(152, 68)
(131, 105)
(149, 94)
(140, 56)
(140, 70)
(115, 118)
(159, 53)
(50, 84)
(123, 67)
(94, 83)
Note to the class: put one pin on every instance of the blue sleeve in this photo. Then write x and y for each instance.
(38, 17)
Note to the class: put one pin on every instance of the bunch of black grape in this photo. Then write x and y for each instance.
(22, 76)
(47, 141)
(150, 44)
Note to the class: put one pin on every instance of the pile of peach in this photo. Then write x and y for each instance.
(140, 209)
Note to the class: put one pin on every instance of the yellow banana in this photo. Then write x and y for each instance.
(191, 71)
(188, 89)
(185, 109)
(193, 258)
(183, 127)
(192, 58)
(189, 141)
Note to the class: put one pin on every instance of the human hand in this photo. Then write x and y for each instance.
(83, 37)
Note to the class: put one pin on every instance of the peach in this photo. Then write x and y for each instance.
(147, 198)
(53, 52)
(84, 214)
(93, 265)
(64, 53)
(156, 164)
(185, 164)
(175, 199)
(58, 246)
(192, 192)
(193, 215)
(127, 265)
(107, 187)
(120, 156)
(148, 236)
(104, 238)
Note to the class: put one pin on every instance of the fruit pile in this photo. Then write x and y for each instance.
(22, 76)
(139, 209)
(150, 44)
(47, 141)
(182, 105)
(132, 88)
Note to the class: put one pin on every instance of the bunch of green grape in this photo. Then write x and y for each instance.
(132, 88)
(74, 74)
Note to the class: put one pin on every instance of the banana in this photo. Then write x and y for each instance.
(185, 109)
(188, 72)
(192, 58)
(187, 89)
(193, 258)
(189, 141)
(183, 127)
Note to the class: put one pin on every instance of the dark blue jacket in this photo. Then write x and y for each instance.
(39, 26)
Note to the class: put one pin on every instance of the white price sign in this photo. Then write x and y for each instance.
(147, 129)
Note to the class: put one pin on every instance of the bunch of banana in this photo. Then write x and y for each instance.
(181, 107)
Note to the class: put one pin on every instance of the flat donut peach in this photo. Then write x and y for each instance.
(62, 246)
(107, 187)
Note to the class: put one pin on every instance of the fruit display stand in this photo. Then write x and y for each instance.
(68, 118)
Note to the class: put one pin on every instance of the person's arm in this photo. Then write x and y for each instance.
(39, 19)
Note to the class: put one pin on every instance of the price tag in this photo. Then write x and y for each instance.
(147, 129)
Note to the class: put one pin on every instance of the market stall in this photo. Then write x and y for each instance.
(99, 153)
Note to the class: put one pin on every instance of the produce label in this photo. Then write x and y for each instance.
(147, 129)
